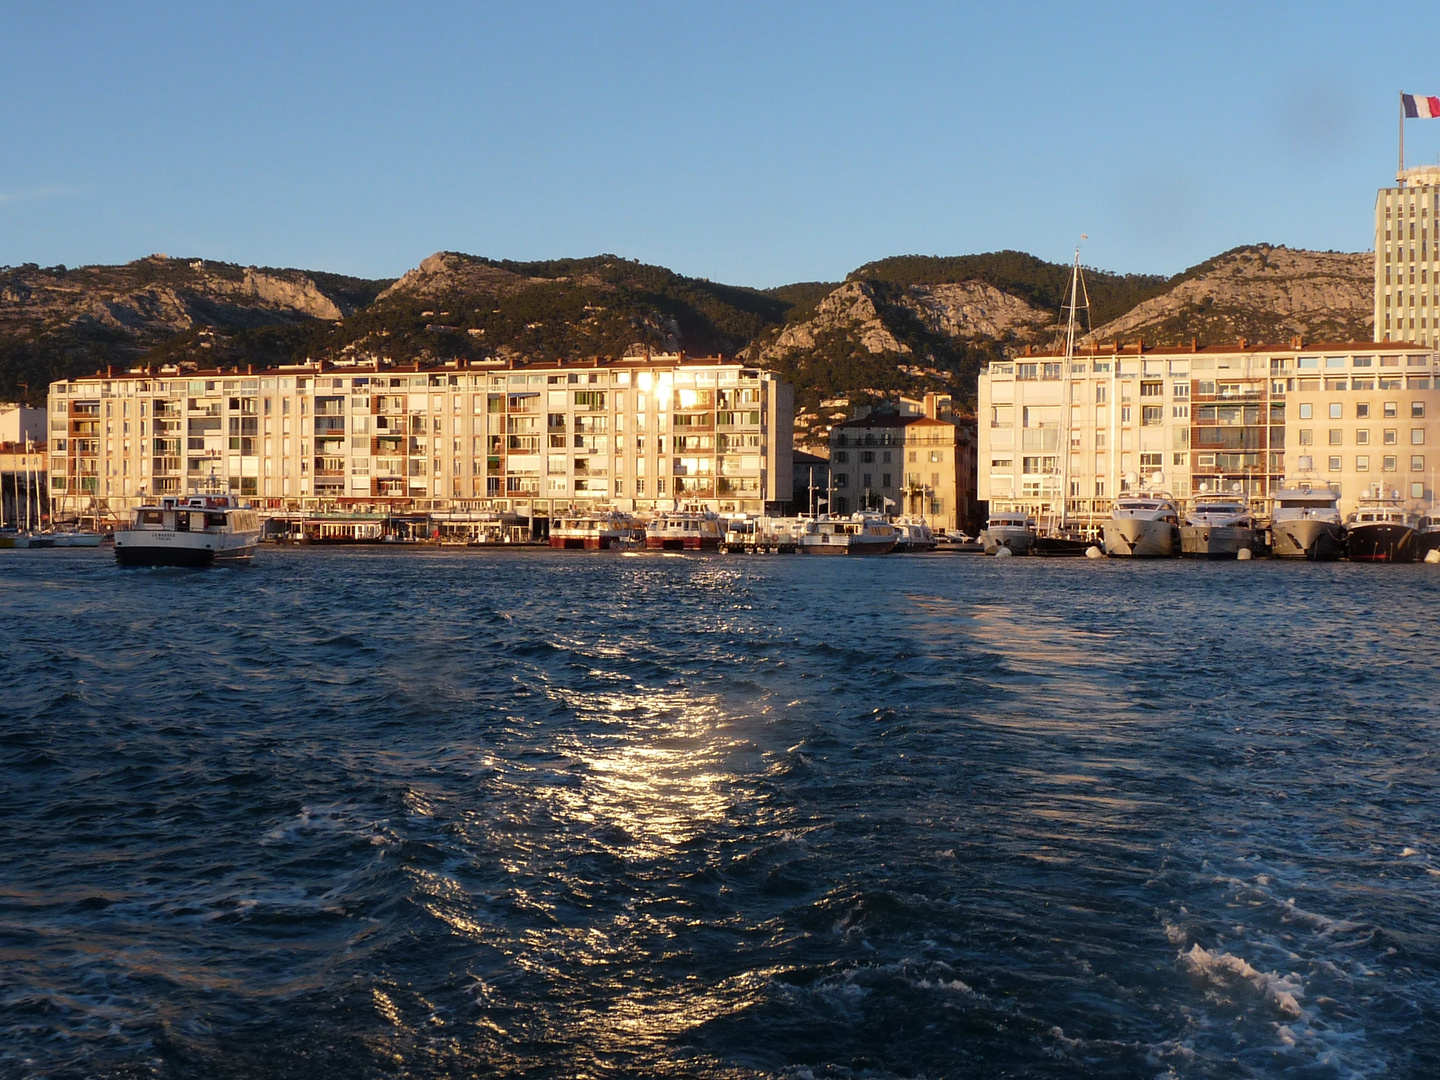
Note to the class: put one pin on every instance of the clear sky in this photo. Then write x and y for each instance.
(756, 144)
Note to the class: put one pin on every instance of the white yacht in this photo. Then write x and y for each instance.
(193, 530)
(1305, 522)
(912, 535)
(1143, 525)
(860, 534)
(1217, 527)
(1012, 530)
(1381, 529)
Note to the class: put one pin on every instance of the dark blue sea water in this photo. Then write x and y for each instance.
(363, 813)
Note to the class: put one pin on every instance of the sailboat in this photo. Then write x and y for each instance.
(1056, 536)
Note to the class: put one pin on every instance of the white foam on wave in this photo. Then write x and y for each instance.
(1229, 972)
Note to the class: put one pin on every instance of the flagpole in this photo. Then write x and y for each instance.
(1399, 176)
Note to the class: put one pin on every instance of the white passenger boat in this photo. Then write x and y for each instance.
(913, 535)
(1305, 522)
(595, 531)
(1143, 525)
(684, 530)
(194, 530)
(860, 534)
(1015, 531)
(1381, 529)
(1217, 527)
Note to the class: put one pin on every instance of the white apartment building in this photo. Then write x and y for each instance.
(642, 433)
(1223, 418)
(1407, 258)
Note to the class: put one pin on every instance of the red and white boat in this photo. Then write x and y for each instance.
(594, 532)
(684, 530)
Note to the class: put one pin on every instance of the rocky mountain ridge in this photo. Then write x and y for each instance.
(905, 325)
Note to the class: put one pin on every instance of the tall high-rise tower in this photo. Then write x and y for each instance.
(1407, 258)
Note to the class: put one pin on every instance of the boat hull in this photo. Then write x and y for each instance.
(1138, 538)
(845, 545)
(194, 550)
(1318, 541)
(1054, 546)
(1381, 542)
(1215, 541)
(682, 543)
(1017, 540)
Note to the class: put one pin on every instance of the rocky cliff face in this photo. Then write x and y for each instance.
(151, 299)
(1260, 293)
(865, 313)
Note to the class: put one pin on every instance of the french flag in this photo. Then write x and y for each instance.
(1417, 107)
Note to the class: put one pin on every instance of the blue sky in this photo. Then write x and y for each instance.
(756, 144)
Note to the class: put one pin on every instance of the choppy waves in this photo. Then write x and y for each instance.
(533, 814)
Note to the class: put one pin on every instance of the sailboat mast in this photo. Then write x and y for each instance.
(1065, 404)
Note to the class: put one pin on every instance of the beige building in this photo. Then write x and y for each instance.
(1227, 418)
(1407, 231)
(914, 459)
(640, 433)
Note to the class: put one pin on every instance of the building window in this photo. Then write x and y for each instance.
(1099, 489)
(1180, 390)
(1362, 462)
(1307, 436)
(1362, 410)
(1417, 436)
(1417, 489)
(1100, 394)
(1306, 410)
(885, 480)
(1052, 371)
(1152, 389)
(1391, 409)
(1336, 410)
(1337, 436)
(885, 456)
(1417, 462)
(1362, 437)
(1151, 415)
(1388, 437)
(1151, 461)
(1125, 414)
(1417, 409)
(936, 455)
(869, 481)
(1388, 464)
(867, 457)
(1024, 371)
(1334, 464)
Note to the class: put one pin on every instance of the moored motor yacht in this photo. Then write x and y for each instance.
(1381, 529)
(1427, 538)
(860, 534)
(1217, 527)
(1143, 525)
(684, 530)
(1305, 522)
(913, 535)
(1008, 529)
(194, 530)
